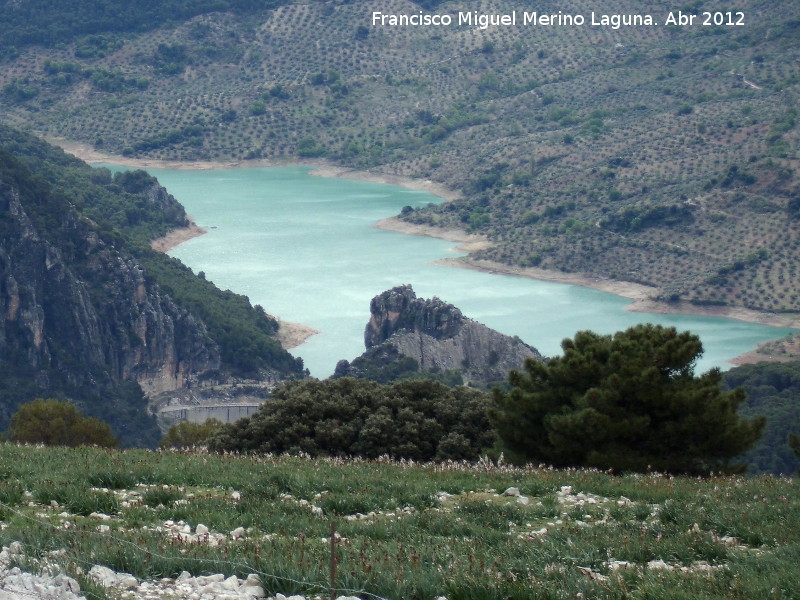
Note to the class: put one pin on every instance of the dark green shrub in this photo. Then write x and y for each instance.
(627, 402)
(416, 419)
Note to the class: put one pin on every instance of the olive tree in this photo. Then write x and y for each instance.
(58, 423)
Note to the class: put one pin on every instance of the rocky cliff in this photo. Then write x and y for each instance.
(436, 337)
(72, 307)
(88, 311)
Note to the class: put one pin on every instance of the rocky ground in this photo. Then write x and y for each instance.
(45, 581)
(16, 584)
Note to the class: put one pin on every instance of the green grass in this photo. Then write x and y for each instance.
(722, 537)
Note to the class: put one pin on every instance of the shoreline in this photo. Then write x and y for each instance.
(318, 169)
(177, 236)
(467, 242)
(642, 295)
(290, 334)
(423, 185)
(754, 357)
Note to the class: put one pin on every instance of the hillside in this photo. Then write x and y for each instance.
(665, 155)
(479, 531)
(772, 391)
(89, 312)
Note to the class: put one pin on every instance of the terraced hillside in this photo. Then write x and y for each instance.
(664, 154)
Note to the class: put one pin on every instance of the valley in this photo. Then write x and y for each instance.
(662, 155)
(403, 253)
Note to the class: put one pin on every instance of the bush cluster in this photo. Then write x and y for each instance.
(419, 420)
(772, 391)
(58, 423)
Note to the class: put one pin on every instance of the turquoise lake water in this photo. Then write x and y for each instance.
(305, 249)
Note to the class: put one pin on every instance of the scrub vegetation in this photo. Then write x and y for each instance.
(771, 390)
(417, 420)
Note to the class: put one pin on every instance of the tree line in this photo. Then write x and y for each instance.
(628, 402)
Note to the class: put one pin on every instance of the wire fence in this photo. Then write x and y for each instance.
(74, 563)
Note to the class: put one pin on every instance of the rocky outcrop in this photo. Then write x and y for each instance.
(71, 303)
(438, 337)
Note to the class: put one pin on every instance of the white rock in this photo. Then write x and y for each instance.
(524, 500)
(103, 575)
(67, 583)
(126, 581)
(200, 529)
(108, 578)
(15, 548)
(236, 496)
(238, 533)
(231, 583)
(659, 565)
(512, 491)
(591, 574)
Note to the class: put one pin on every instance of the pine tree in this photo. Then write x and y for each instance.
(627, 402)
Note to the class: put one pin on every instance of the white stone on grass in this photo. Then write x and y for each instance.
(109, 579)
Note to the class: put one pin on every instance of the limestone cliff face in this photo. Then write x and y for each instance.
(71, 304)
(440, 338)
(399, 309)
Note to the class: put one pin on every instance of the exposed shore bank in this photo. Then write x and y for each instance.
(641, 295)
(425, 185)
(177, 236)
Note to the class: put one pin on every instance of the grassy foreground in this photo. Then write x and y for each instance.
(407, 531)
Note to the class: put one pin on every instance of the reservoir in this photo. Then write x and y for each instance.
(306, 249)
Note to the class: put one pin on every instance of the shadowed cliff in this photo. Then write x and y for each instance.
(88, 312)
